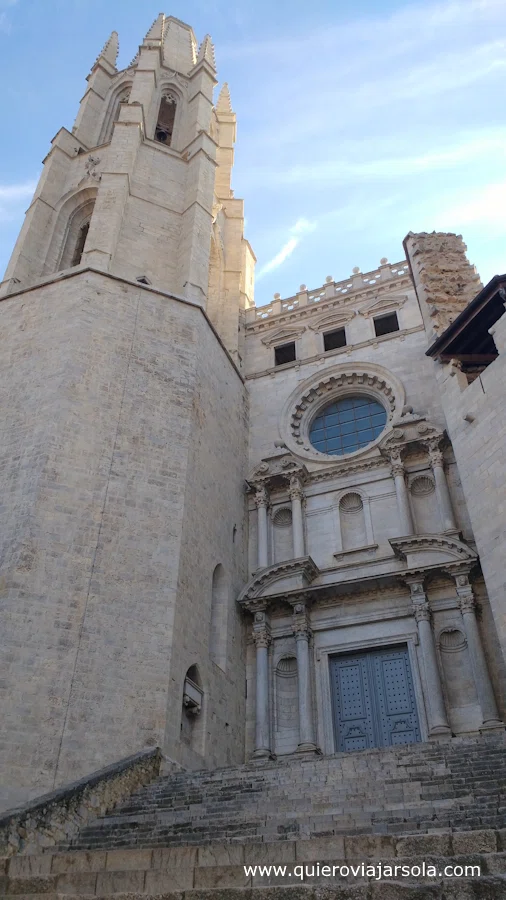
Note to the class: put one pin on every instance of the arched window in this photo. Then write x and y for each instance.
(75, 238)
(192, 721)
(219, 610)
(81, 240)
(166, 117)
(122, 96)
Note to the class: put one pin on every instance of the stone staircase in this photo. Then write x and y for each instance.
(458, 784)
(188, 836)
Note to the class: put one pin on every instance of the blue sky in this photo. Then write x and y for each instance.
(357, 121)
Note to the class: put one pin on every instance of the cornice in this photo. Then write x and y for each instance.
(341, 301)
(305, 568)
(457, 551)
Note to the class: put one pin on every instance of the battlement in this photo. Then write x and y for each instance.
(356, 282)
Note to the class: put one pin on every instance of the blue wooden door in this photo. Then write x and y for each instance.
(373, 699)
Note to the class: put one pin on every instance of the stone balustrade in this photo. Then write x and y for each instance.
(356, 282)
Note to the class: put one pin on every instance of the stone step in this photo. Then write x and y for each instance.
(213, 867)
(488, 888)
(454, 784)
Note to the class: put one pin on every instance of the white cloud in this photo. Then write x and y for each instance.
(302, 226)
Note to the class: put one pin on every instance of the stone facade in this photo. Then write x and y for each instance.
(160, 462)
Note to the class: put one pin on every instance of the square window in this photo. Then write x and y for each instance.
(348, 427)
(347, 415)
(386, 324)
(334, 444)
(284, 354)
(332, 340)
(350, 440)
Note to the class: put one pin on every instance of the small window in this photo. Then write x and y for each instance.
(166, 117)
(386, 324)
(284, 354)
(332, 340)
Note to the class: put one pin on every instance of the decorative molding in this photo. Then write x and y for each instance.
(422, 485)
(283, 335)
(379, 305)
(347, 297)
(301, 572)
(351, 502)
(287, 667)
(282, 518)
(337, 382)
(451, 640)
(451, 548)
(331, 321)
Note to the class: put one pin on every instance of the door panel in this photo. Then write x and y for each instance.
(352, 702)
(373, 699)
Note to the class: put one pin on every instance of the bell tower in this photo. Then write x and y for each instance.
(124, 455)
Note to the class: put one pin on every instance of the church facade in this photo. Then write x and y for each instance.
(234, 531)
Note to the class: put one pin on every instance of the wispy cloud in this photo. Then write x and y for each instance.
(484, 206)
(5, 22)
(12, 197)
(467, 148)
(297, 231)
(387, 122)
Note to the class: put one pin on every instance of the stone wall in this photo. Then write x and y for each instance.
(102, 385)
(445, 280)
(58, 817)
(476, 422)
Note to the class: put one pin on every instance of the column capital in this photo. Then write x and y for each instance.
(435, 453)
(261, 629)
(464, 588)
(261, 496)
(421, 611)
(396, 461)
(420, 604)
(300, 621)
(296, 489)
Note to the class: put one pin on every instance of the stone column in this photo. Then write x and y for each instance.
(296, 496)
(438, 721)
(442, 492)
(302, 634)
(398, 472)
(262, 502)
(484, 689)
(262, 638)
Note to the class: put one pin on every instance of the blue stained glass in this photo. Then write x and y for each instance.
(344, 426)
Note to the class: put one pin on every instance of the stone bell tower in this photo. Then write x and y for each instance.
(124, 429)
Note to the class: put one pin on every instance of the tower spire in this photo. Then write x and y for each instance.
(206, 52)
(157, 29)
(109, 51)
(224, 104)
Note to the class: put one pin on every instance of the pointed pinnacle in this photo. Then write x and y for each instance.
(224, 104)
(109, 51)
(206, 52)
(155, 33)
